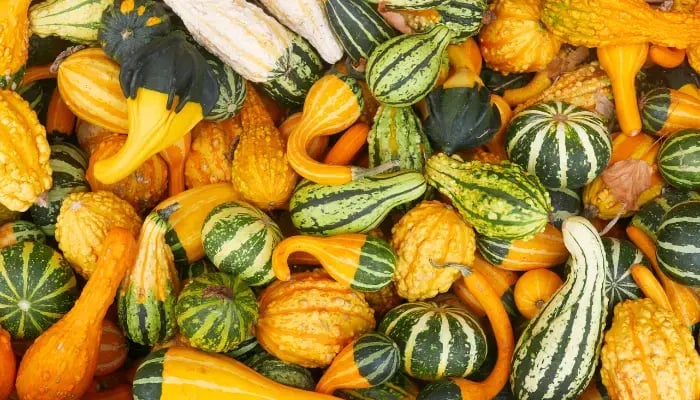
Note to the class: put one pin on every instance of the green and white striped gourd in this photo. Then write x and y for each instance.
(281, 371)
(566, 146)
(400, 387)
(239, 238)
(397, 135)
(74, 20)
(556, 356)
(620, 255)
(247, 349)
(462, 17)
(403, 70)
(566, 203)
(358, 27)
(649, 217)
(409, 4)
(20, 231)
(232, 90)
(216, 312)
(354, 207)
(677, 247)
(679, 159)
(436, 341)
(68, 166)
(196, 269)
(37, 287)
(501, 201)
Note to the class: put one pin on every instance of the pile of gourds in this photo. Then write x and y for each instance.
(355, 199)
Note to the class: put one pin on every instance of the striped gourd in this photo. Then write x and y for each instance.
(358, 27)
(216, 311)
(462, 17)
(566, 203)
(566, 146)
(649, 217)
(679, 159)
(620, 255)
(89, 84)
(74, 20)
(501, 201)
(148, 293)
(68, 166)
(403, 70)
(556, 355)
(400, 387)
(545, 250)
(409, 4)
(281, 371)
(355, 207)
(665, 111)
(20, 231)
(196, 269)
(678, 252)
(436, 341)
(246, 349)
(304, 68)
(37, 287)
(239, 239)
(232, 90)
(397, 135)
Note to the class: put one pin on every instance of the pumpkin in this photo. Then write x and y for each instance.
(8, 365)
(285, 329)
(431, 231)
(83, 222)
(534, 289)
(90, 135)
(143, 188)
(61, 362)
(209, 159)
(113, 349)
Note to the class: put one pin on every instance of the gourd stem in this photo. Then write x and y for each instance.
(37, 73)
(359, 173)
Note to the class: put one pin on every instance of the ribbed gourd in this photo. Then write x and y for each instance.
(211, 152)
(619, 284)
(677, 251)
(397, 134)
(74, 20)
(679, 159)
(232, 90)
(14, 43)
(649, 217)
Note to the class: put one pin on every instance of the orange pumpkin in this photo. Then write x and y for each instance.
(534, 289)
(113, 349)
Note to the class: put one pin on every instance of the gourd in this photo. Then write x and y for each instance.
(501, 281)
(239, 239)
(232, 90)
(148, 293)
(25, 153)
(161, 111)
(216, 312)
(400, 387)
(565, 368)
(620, 256)
(545, 250)
(665, 111)
(88, 81)
(74, 20)
(175, 156)
(285, 330)
(143, 188)
(566, 203)
(113, 349)
(37, 287)
(676, 253)
(649, 216)
(667, 57)
(318, 145)
(280, 371)
(677, 159)
(195, 269)
(515, 40)
(67, 352)
(534, 289)
(157, 375)
(209, 159)
(430, 231)
(360, 262)
(348, 145)
(20, 231)
(59, 118)
(370, 360)
(8, 365)
(648, 353)
(83, 223)
(90, 135)
(354, 207)
(573, 144)
(260, 171)
(127, 25)
(15, 43)
(501, 201)
(397, 134)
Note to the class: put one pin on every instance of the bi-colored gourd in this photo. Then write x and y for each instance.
(545, 250)
(20, 231)
(14, 39)
(361, 262)
(649, 216)
(232, 90)
(67, 352)
(665, 111)
(8, 365)
(620, 256)
(501, 281)
(113, 349)
(74, 20)
(534, 289)
(397, 134)
(281, 371)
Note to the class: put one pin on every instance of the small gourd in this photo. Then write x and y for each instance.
(114, 349)
(545, 250)
(209, 159)
(534, 289)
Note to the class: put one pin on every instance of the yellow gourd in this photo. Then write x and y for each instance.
(14, 41)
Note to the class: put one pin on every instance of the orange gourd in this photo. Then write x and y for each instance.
(501, 281)
(622, 63)
(175, 156)
(317, 147)
(650, 286)
(59, 118)
(8, 365)
(682, 111)
(537, 85)
(534, 289)
(14, 42)
(209, 159)
(61, 362)
(113, 349)
(38, 73)
(348, 145)
(545, 250)
(497, 144)
(90, 135)
(667, 57)
(465, 55)
(119, 392)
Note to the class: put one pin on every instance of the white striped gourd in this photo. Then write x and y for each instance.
(74, 20)
(678, 252)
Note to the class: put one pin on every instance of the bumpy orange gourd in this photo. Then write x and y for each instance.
(431, 231)
(209, 160)
(534, 289)
(649, 354)
(260, 171)
(8, 365)
(175, 156)
(14, 41)
(514, 40)
(83, 223)
(143, 188)
(310, 318)
(61, 362)
(25, 172)
(90, 135)
(113, 349)
(383, 300)
(89, 84)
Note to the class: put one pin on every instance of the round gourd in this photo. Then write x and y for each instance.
(232, 90)
(619, 284)
(37, 287)
(114, 349)
(566, 146)
(282, 372)
(20, 231)
(196, 269)
(566, 203)
(239, 239)
(310, 318)
(420, 330)
(68, 165)
(534, 289)
(216, 312)
(246, 349)
(209, 160)
(400, 387)
(677, 251)
(679, 159)
(649, 217)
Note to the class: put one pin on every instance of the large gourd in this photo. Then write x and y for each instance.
(556, 355)
(8, 365)
(14, 39)
(677, 250)
(74, 20)
(397, 134)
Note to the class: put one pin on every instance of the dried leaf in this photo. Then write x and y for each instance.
(626, 180)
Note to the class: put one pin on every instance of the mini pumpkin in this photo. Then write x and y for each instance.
(210, 157)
